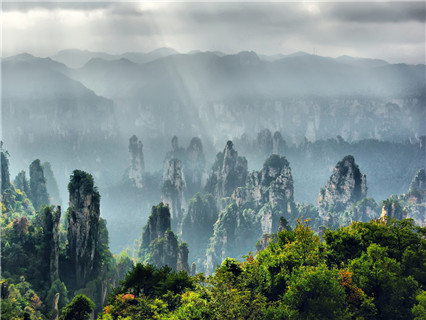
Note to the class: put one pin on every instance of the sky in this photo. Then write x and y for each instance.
(393, 31)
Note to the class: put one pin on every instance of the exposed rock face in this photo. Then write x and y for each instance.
(83, 226)
(345, 187)
(235, 234)
(5, 176)
(158, 223)
(278, 143)
(264, 142)
(271, 188)
(264, 242)
(176, 152)
(195, 173)
(137, 164)
(364, 210)
(173, 190)
(160, 244)
(182, 260)
(197, 225)
(50, 219)
(419, 181)
(51, 184)
(392, 208)
(21, 182)
(38, 191)
(228, 172)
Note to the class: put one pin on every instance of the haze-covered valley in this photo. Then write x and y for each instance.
(80, 108)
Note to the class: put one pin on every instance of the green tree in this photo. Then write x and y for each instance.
(80, 308)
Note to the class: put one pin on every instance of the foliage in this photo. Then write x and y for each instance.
(80, 308)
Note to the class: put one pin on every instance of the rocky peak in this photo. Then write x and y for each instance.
(278, 143)
(158, 223)
(5, 176)
(137, 165)
(346, 186)
(228, 172)
(264, 142)
(21, 182)
(176, 152)
(195, 166)
(392, 209)
(83, 226)
(38, 190)
(419, 181)
(50, 217)
(173, 189)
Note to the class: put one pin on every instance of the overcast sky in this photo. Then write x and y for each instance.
(394, 31)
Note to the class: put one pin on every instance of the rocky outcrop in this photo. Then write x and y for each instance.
(392, 209)
(235, 234)
(51, 184)
(195, 167)
(264, 142)
(346, 186)
(137, 164)
(21, 182)
(176, 152)
(173, 190)
(269, 192)
(182, 259)
(197, 225)
(50, 221)
(158, 223)
(160, 246)
(278, 143)
(83, 226)
(5, 176)
(419, 181)
(38, 191)
(228, 173)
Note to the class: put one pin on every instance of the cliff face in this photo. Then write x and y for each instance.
(5, 176)
(83, 226)
(235, 234)
(159, 244)
(195, 165)
(278, 143)
(345, 187)
(137, 164)
(228, 172)
(197, 225)
(51, 184)
(393, 209)
(21, 182)
(158, 223)
(271, 188)
(173, 190)
(38, 190)
(50, 222)
(419, 181)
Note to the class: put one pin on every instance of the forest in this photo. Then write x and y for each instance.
(241, 247)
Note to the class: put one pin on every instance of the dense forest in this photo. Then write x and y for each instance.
(223, 243)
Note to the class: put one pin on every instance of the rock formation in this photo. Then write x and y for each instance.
(345, 187)
(5, 176)
(160, 245)
(173, 190)
(278, 144)
(158, 223)
(235, 234)
(197, 225)
(228, 172)
(271, 188)
(176, 152)
(50, 221)
(51, 184)
(38, 191)
(21, 182)
(264, 142)
(137, 165)
(195, 174)
(83, 226)
(392, 209)
(419, 181)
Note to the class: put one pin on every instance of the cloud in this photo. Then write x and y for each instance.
(361, 29)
